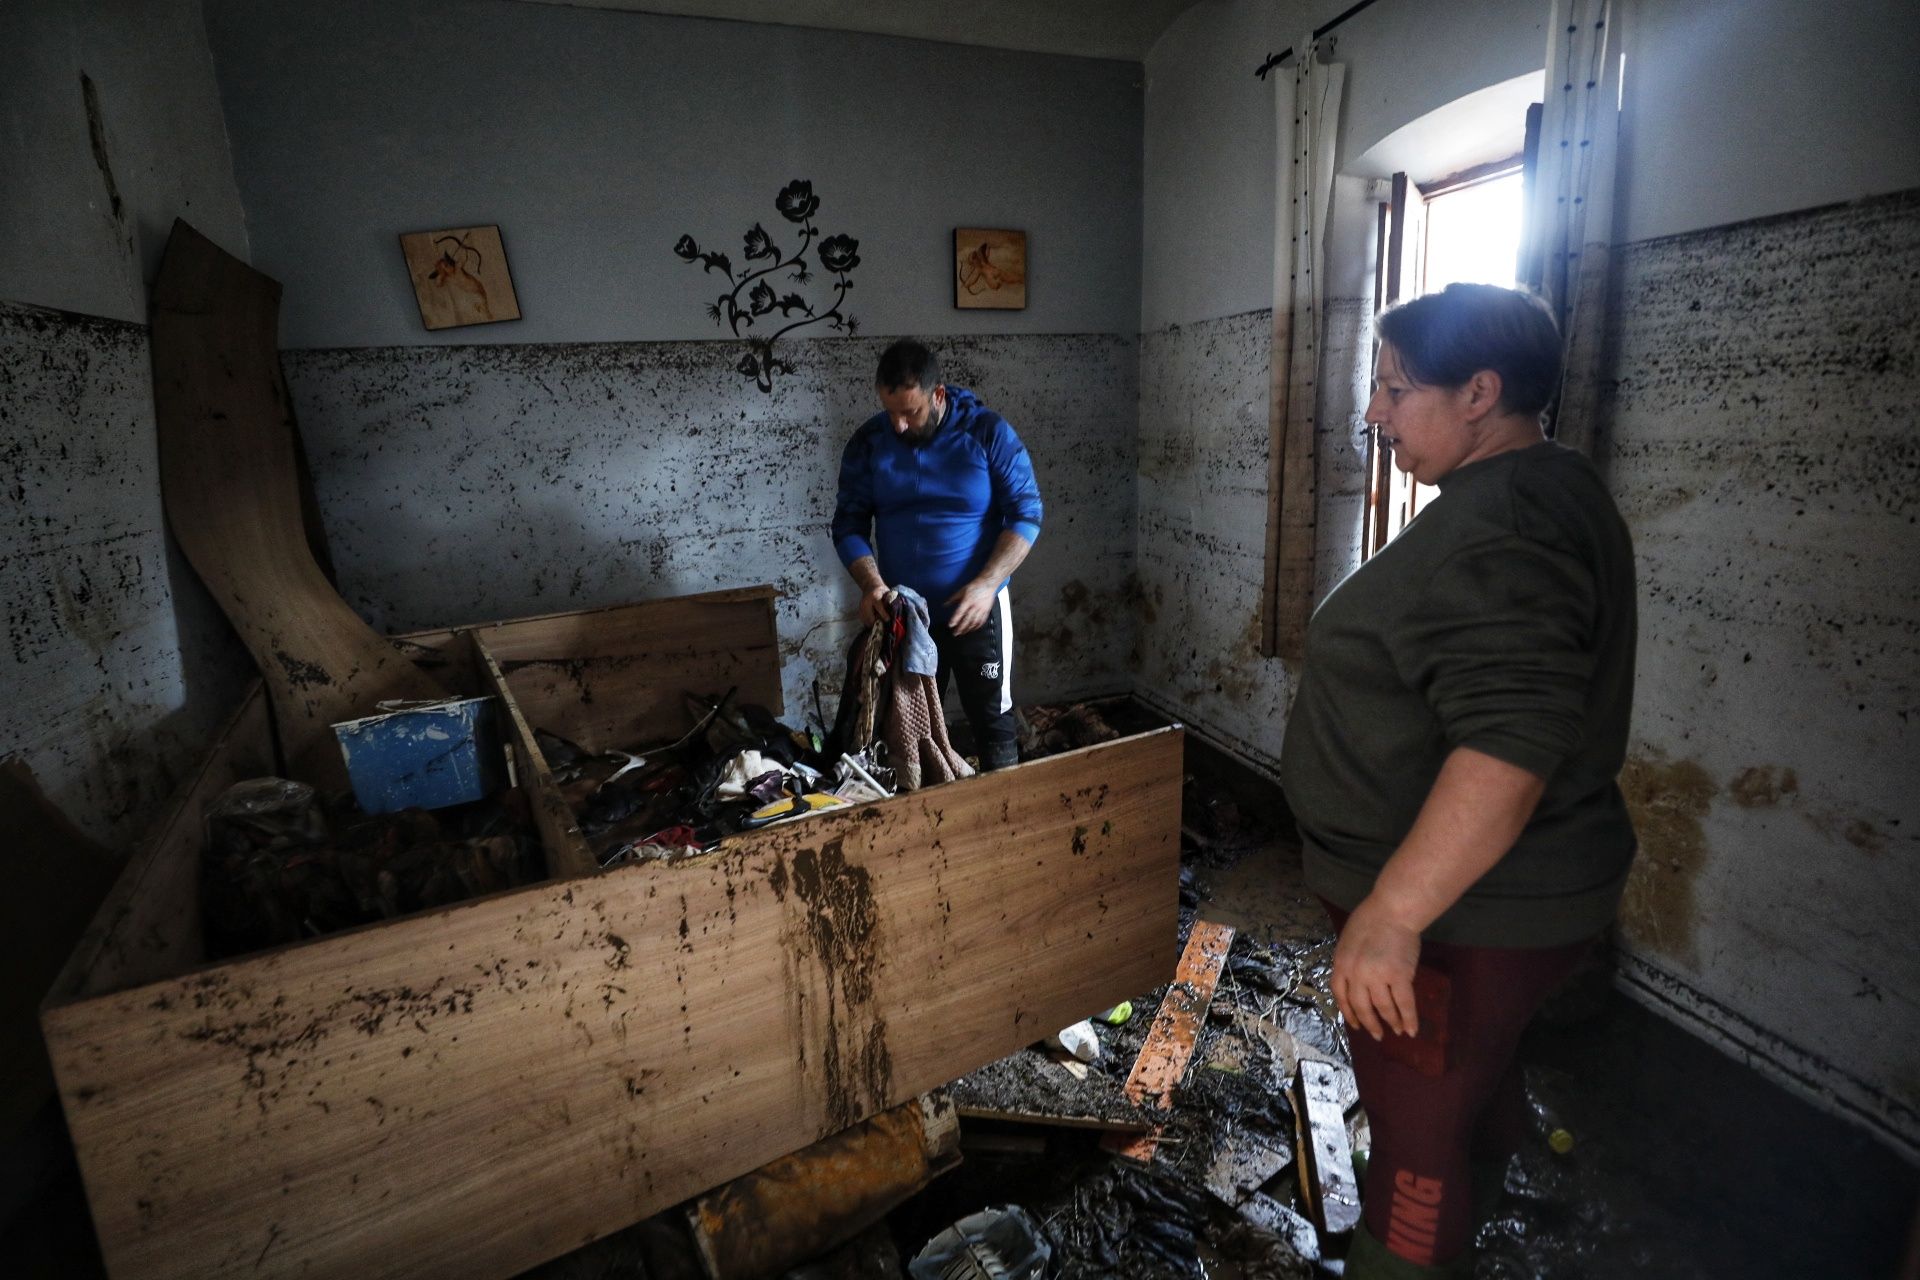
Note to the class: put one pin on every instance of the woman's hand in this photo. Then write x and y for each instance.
(1373, 968)
(1476, 810)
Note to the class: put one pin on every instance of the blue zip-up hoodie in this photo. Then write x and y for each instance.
(935, 509)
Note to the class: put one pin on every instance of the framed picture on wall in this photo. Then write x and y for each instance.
(989, 268)
(460, 276)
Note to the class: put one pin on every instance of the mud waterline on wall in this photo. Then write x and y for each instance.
(1203, 511)
(468, 483)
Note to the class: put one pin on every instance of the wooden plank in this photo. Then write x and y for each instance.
(610, 678)
(471, 1091)
(149, 926)
(1327, 1185)
(229, 478)
(1176, 1027)
(565, 847)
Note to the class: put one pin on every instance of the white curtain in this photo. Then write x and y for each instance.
(1306, 117)
(1572, 215)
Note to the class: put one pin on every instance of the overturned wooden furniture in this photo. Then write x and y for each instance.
(229, 468)
(473, 1090)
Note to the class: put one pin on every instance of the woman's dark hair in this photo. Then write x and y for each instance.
(908, 364)
(1444, 338)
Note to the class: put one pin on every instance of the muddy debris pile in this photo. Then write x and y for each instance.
(737, 769)
(1222, 1192)
(1049, 729)
(283, 863)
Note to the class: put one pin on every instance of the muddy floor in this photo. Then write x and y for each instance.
(1677, 1163)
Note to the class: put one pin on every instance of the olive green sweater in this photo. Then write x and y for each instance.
(1502, 619)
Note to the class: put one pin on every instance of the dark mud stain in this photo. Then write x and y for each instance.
(1668, 800)
(302, 674)
(842, 921)
(97, 139)
(1863, 835)
(1762, 786)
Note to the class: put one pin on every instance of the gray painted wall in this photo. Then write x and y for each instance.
(1738, 111)
(1733, 111)
(117, 664)
(1765, 928)
(595, 139)
(162, 150)
(1208, 240)
(465, 483)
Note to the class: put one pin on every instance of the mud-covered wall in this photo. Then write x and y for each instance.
(118, 666)
(1202, 518)
(1762, 445)
(1772, 914)
(466, 483)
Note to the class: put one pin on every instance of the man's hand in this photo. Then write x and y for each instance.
(874, 604)
(971, 604)
(1373, 971)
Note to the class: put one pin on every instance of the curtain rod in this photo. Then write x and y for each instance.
(1275, 60)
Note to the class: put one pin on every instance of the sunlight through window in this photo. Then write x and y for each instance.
(1473, 234)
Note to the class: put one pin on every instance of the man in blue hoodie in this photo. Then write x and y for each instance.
(945, 487)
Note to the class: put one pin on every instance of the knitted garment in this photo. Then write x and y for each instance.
(867, 676)
(916, 735)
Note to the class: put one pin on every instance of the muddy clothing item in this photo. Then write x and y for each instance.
(937, 508)
(1503, 620)
(1418, 1192)
(918, 653)
(915, 731)
(981, 664)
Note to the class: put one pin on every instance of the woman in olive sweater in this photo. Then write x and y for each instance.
(1452, 756)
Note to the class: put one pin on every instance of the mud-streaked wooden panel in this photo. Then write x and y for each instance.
(619, 677)
(229, 472)
(565, 849)
(469, 1092)
(149, 926)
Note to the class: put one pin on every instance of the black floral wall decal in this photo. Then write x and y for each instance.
(753, 300)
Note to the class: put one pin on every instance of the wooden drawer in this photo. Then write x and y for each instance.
(473, 1090)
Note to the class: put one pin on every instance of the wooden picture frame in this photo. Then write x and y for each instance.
(460, 276)
(989, 268)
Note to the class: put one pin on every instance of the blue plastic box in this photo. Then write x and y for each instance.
(424, 755)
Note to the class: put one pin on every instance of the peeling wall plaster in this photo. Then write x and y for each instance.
(467, 483)
(1762, 446)
(118, 665)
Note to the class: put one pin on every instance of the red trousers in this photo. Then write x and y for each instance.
(1417, 1198)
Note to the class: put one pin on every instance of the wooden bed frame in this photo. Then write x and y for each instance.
(474, 1090)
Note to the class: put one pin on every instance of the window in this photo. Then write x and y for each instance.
(1462, 228)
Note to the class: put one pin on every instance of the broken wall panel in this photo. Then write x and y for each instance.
(119, 667)
(1759, 435)
(1202, 515)
(464, 483)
